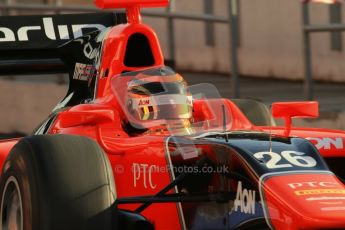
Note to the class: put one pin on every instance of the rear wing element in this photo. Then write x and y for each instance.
(29, 44)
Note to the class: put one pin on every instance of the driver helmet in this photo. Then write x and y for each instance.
(158, 101)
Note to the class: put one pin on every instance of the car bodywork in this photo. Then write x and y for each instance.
(256, 176)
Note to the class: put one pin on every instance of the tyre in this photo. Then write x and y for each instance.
(56, 182)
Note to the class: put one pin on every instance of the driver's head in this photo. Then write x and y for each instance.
(159, 100)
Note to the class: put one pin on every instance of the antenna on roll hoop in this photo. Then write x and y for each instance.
(132, 7)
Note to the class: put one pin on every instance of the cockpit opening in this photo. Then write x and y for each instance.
(138, 52)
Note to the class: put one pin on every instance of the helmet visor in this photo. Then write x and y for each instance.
(158, 107)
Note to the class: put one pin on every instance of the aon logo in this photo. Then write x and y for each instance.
(245, 200)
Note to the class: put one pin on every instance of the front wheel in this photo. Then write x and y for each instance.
(11, 211)
(53, 182)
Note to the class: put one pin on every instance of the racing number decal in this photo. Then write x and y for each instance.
(273, 163)
(298, 159)
(294, 158)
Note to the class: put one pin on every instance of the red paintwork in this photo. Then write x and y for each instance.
(114, 53)
(300, 109)
(318, 201)
(102, 121)
(124, 153)
(289, 110)
(315, 136)
(113, 4)
(5, 148)
(331, 143)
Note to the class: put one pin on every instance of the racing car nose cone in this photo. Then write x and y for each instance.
(304, 201)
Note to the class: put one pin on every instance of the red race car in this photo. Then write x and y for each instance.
(132, 146)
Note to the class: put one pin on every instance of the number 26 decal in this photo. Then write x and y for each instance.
(294, 158)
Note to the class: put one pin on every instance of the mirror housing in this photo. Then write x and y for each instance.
(289, 110)
(90, 114)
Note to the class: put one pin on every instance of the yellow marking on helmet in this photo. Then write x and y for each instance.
(146, 114)
(186, 124)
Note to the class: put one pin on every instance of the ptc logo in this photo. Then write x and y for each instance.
(313, 184)
(48, 27)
